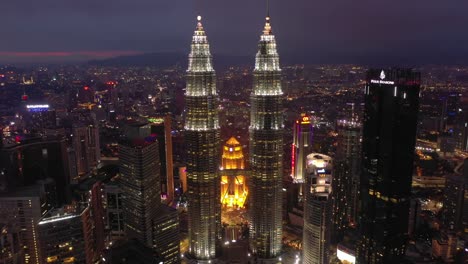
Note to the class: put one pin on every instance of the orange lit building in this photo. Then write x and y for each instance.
(233, 180)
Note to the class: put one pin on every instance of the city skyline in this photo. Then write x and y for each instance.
(261, 162)
(62, 32)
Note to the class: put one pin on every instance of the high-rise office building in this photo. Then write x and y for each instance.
(414, 220)
(94, 199)
(389, 136)
(146, 219)
(114, 210)
(464, 135)
(233, 180)
(301, 147)
(167, 234)
(11, 250)
(87, 150)
(130, 251)
(266, 150)
(317, 209)
(23, 208)
(451, 112)
(67, 237)
(34, 159)
(161, 128)
(455, 216)
(202, 144)
(346, 175)
(453, 126)
(139, 180)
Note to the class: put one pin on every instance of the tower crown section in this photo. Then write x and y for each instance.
(267, 69)
(200, 59)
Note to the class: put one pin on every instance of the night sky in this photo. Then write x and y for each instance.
(311, 31)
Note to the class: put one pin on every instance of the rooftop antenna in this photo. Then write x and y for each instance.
(267, 29)
(199, 17)
(268, 8)
(197, 9)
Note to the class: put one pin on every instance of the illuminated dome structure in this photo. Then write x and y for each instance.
(233, 180)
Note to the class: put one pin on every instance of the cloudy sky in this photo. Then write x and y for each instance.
(407, 31)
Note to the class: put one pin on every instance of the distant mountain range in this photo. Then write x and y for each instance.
(223, 61)
(170, 59)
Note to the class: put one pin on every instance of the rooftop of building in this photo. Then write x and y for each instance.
(62, 214)
(138, 142)
(318, 160)
(232, 142)
(25, 140)
(130, 252)
(165, 211)
(87, 183)
(28, 191)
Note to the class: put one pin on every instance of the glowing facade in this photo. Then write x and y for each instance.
(266, 148)
(233, 180)
(24, 208)
(317, 209)
(67, 237)
(202, 142)
(302, 146)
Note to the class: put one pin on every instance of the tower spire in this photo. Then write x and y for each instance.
(267, 29)
(199, 24)
(268, 8)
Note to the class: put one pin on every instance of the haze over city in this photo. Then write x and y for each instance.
(393, 32)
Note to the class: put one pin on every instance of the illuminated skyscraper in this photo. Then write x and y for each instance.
(317, 209)
(346, 175)
(302, 146)
(24, 208)
(202, 143)
(266, 150)
(233, 180)
(67, 237)
(389, 136)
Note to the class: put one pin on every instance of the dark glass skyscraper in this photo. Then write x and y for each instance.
(146, 219)
(36, 159)
(266, 148)
(389, 135)
(140, 183)
(202, 143)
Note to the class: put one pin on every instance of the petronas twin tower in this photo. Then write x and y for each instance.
(203, 151)
(203, 156)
